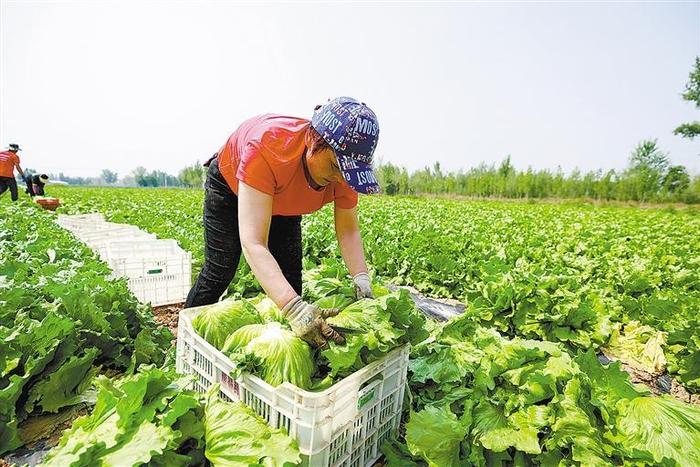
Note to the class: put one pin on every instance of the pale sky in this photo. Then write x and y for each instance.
(92, 85)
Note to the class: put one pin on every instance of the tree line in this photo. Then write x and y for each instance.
(189, 177)
(648, 177)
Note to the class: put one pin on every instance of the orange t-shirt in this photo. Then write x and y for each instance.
(266, 153)
(8, 159)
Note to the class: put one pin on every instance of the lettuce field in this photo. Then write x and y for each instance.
(566, 306)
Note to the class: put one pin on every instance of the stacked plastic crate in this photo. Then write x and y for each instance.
(158, 271)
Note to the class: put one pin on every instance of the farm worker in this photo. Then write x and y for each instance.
(35, 184)
(272, 170)
(9, 161)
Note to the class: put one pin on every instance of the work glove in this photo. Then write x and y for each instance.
(308, 323)
(363, 286)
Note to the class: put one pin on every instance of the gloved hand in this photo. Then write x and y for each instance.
(308, 323)
(363, 286)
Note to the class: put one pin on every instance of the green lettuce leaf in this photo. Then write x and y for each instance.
(396, 454)
(236, 436)
(64, 386)
(148, 416)
(434, 435)
(610, 384)
(267, 309)
(498, 431)
(663, 426)
(385, 323)
(144, 442)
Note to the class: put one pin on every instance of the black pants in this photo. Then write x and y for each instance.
(222, 251)
(11, 184)
(33, 189)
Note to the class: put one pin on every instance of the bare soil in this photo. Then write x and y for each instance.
(679, 392)
(47, 429)
(168, 315)
(639, 376)
(41, 433)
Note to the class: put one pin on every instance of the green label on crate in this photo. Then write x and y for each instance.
(366, 398)
(155, 271)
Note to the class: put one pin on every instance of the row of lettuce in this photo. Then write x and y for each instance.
(61, 320)
(151, 418)
(64, 325)
(477, 396)
(575, 274)
(481, 398)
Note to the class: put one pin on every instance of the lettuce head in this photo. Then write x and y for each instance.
(267, 309)
(218, 321)
(273, 353)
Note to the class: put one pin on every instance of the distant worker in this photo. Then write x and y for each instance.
(35, 184)
(9, 161)
(272, 170)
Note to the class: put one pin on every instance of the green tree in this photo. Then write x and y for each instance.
(404, 186)
(677, 179)
(192, 176)
(109, 176)
(140, 177)
(648, 166)
(155, 178)
(692, 94)
(506, 168)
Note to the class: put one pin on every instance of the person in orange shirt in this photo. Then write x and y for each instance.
(9, 161)
(272, 170)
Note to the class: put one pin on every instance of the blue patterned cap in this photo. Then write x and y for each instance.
(351, 129)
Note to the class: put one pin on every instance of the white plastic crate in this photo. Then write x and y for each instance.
(101, 245)
(97, 227)
(79, 221)
(343, 426)
(109, 231)
(99, 235)
(158, 271)
(88, 229)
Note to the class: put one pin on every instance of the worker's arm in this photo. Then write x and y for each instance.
(307, 321)
(254, 216)
(347, 231)
(19, 169)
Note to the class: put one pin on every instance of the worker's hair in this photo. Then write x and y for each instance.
(319, 142)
